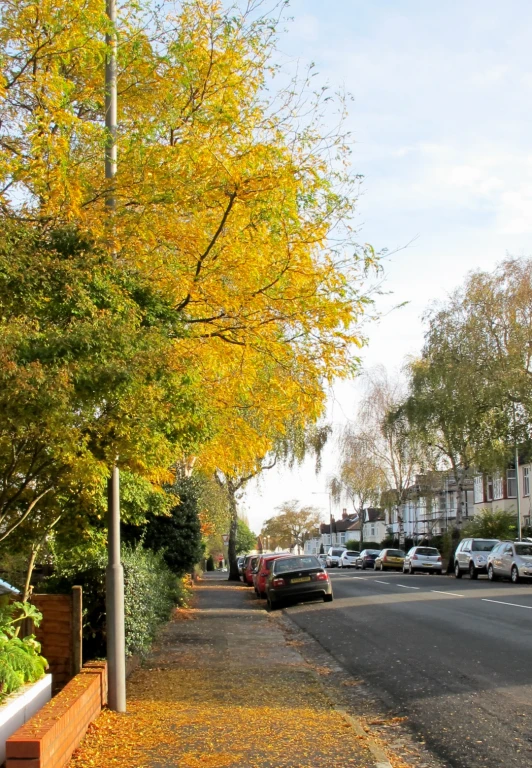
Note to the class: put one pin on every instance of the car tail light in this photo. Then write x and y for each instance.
(278, 582)
(384, 559)
(414, 557)
(321, 576)
(439, 559)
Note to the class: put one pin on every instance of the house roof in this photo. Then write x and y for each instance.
(373, 515)
(351, 523)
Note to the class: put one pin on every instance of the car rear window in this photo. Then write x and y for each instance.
(352, 553)
(395, 553)
(373, 552)
(337, 552)
(294, 563)
(523, 550)
(427, 551)
(483, 546)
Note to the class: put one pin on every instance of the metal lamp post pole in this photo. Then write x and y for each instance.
(114, 575)
(517, 490)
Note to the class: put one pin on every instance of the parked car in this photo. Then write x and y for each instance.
(390, 560)
(262, 571)
(297, 577)
(366, 558)
(240, 564)
(333, 556)
(323, 560)
(511, 559)
(422, 559)
(251, 564)
(471, 557)
(243, 567)
(348, 558)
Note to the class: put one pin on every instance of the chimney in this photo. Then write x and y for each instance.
(344, 514)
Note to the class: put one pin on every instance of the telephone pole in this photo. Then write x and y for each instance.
(114, 575)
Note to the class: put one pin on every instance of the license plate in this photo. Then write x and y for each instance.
(429, 565)
(298, 581)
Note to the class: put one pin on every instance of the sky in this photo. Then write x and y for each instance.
(441, 123)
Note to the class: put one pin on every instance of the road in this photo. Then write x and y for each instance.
(455, 656)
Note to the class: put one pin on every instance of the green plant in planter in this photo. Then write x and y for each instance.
(20, 658)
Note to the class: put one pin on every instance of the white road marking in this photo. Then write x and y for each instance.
(439, 592)
(501, 602)
(380, 582)
(406, 586)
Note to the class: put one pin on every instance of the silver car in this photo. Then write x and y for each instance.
(510, 559)
(471, 557)
(423, 559)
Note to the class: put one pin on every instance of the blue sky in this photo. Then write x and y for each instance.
(442, 132)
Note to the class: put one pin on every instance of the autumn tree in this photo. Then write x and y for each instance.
(388, 439)
(230, 306)
(359, 478)
(246, 540)
(291, 526)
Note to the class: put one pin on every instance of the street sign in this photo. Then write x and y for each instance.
(225, 538)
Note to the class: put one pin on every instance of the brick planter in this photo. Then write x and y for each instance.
(50, 737)
(20, 706)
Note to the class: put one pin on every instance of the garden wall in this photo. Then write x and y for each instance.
(60, 634)
(49, 739)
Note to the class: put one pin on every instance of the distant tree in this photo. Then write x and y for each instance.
(293, 524)
(245, 538)
(360, 478)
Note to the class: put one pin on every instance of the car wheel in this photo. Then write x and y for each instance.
(411, 570)
(492, 576)
(473, 573)
(327, 598)
(457, 571)
(363, 566)
(514, 574)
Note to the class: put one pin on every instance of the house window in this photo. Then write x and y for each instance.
(342, 538)
(511, 483)
(489, 488)
(372, 531)
(526, 481)
(479, 489)
(498, 489)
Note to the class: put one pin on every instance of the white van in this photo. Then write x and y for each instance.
(333, 556)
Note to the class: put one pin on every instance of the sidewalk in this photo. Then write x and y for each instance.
(226, 688)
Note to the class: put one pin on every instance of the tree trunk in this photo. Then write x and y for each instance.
(231, 549)
(29, 571)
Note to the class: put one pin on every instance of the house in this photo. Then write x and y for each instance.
(344, 530)
(375, 528)
(498, 492)
(430, 504)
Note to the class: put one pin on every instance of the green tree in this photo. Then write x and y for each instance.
(246, 540)
(292, 525)
(492, 525)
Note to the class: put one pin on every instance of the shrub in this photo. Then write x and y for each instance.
(20, 659)
(151, 591)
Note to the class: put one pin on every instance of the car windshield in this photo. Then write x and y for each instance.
(395, 553)
(427, 551)
(523, 550)
(483, 546)
(295, 563)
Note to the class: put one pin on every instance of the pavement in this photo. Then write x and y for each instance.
(230, 686)
(452, 659)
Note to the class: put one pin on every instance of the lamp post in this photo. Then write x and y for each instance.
(517, 489)
(114, 575)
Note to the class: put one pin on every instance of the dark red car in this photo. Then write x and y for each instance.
(262, 571)
(247, 575)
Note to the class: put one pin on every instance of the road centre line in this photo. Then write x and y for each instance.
(440, 592)
(502, 602)
(406, 586)
(380, 582)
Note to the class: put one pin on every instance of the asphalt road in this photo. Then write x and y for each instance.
(455, 656)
